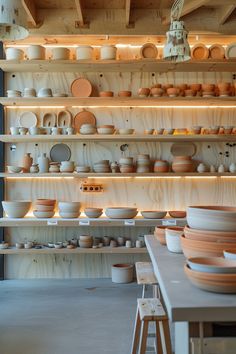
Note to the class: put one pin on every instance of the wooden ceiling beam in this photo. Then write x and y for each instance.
(127, 13)
(31, 11)
(81, 23)
(189, 7)
(224, 12)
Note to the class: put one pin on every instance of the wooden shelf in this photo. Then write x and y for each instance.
(103, 221)
(114, 175)
(119, 102)
(78, 250)
(133, 65)
(116, 137)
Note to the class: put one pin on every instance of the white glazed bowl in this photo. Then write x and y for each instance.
(14, 169)
(16, 209)
(173, 240)
(105, 130)
(121, 212)
(215, 218)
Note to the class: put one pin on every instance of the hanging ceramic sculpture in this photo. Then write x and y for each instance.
(177, 48)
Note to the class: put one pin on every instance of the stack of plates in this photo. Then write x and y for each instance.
(126, 164)
(88, 129)
(212, 274)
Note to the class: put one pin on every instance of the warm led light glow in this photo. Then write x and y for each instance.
(109, 177)
(42, 177)
(231, 177)
(154, 106)
(201, 177)
(32, 107)
(160, 177)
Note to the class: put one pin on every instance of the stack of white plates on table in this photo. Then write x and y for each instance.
(143, 163)
(88, 129)
(126, 164)
(69, 210)
(212, 274)
(102, 166)
(210, 230)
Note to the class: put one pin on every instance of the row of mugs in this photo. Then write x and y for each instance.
(38, 52)
(41, 130)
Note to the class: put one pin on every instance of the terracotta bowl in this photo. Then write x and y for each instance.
(190, 93)
(46, 201)
(177, 214)
(153, 214)
(195, 87)
(156, 91)
(172, 91)
(224, 86)
(124, 93)
(209, 236)
(160, 234)
(214, 282)
(106, 94)
(194, 248)
(144, 92)
(208, 87)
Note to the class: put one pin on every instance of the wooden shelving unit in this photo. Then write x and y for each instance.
(135, 65)
(103, 221)
(119, 102)
(54, 251)
(116, 137)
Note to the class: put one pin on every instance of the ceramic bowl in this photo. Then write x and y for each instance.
(14, 169)
(156, 91)
(82, 169)
(144, 92)
(69, 215)
(4, 245)
(46, 202)
(126, 131)
(172, 91)
(69, 207)
(40, 207)
(126, 161)
(209, 236)
(208, 87)
(195, 248)
(230, 253)
(43, 214)
(213, 282)
(16, 209)
(177, 214)
(212, 265)
(121, 212)
(104, 130)
(173, 235)
(106, 93)
(215, 218)
(93, 212)
(149, 131)
(152, 214)
(160, 234)
(124, 93)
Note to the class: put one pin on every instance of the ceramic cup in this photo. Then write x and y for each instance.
(45, 92)
(70, 131)
(34, 130)
(14, 131)
(84, 52)
(23, 130)
(14, 54)
(128, 244)
(56, 131)
(60, 53)
(35, 52)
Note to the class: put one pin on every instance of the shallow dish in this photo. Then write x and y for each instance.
(199, 52)
(60, 152)
(93, 212)
(14, 169)
(231, 51)
(148, 50)
(212, 265)
(126, 131)
(152, 214)
(84, 117)
(69, 215)
(81, 87)
(177, 214)
(217, 51)
(121, 212)
(28, 120)
(209, 236)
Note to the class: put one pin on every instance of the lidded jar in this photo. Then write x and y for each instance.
(182, 164)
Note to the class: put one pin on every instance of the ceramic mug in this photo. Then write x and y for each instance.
(70, 131)
(34, 130)
(55, 131)
(23, 130)
(14, 130)
(128, 244)
(36, 52)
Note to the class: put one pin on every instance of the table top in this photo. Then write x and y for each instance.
(185, 302)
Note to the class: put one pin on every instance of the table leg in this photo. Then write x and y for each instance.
(182, 338)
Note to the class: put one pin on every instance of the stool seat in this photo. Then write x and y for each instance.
(145, 276)
(151, 310)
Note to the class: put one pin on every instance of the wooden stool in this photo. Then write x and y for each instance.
(151, 310)
(145, 276)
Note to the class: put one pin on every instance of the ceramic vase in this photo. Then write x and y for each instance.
(201, 168)
(43, 162)
(232, 167)
(27, 162)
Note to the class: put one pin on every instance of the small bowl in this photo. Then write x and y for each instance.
(144, 92)
(149, 131)
(157, 91)
(58, 245)
(177, 214)
(104, 130)
(124, 131)
(93, 212)
(4, 245)
(124, 93)
(172, 91)
(106, 94)
(69, 215)
(152, 214)
(14, 169)
(43, 214)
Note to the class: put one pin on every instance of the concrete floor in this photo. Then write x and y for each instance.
(79, 316)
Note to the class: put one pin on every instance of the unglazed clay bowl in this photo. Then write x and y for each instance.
(172, 91)
(224, 86)
(160, 234)
(208, 87)
(93, 212)
(40, 207)
(177, 214)
(156, 91)
(69, 215)
(17, 208)
(173, 235)
(152, 214)
(126, 131)
(121, 212)
(215, 218)
(104, 130)
(43, 214)
(124, 93)
(69, 207)
(106, 93)
(144, 92)
(46, 202)
(212, 265)
(209, 236)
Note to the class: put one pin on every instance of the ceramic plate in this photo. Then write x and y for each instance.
(200, 52)
(212, 264)
(28, 120)
(49, 120)
(60, 152)
(84, 117)
(231, 51)
(81, 87)
(217, 51)
(183, 149)
(148, 50)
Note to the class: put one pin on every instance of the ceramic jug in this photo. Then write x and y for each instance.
(27, 162)
(43, 162)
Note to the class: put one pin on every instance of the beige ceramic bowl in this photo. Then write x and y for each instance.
(104, 130)
(106, 93)
(144, 92)
(121, 212)
(124, 93)
(16, 209)
(43, 214)
(69, 215)
(127, 131)
(152, 214)
(93, 212)
(69, 207)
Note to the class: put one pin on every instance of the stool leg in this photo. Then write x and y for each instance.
(136, 333)
(143, 337)
(156, 291)
(158, 339)
(166, 340)
(143, 292)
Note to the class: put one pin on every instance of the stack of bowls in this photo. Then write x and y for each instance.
(88, 129)
(82, 169)
(69, 210)
(212, 274)
(106, 129)
(126, 164)
(102, 166)
(16, 208)
(182, 164)
(29, 92)
(85, 241)
(93, 212)
(67, 166)
(44, 208)
(143, 163)
(219, 231)
(13, 93)
(121, 212)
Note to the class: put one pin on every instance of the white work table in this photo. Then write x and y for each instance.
(184, 302)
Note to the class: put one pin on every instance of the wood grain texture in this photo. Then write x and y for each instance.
(146, 194)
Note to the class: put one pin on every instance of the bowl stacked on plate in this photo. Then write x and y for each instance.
(212, 274)
(69, 210)
(210, 230)
(44, 208)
